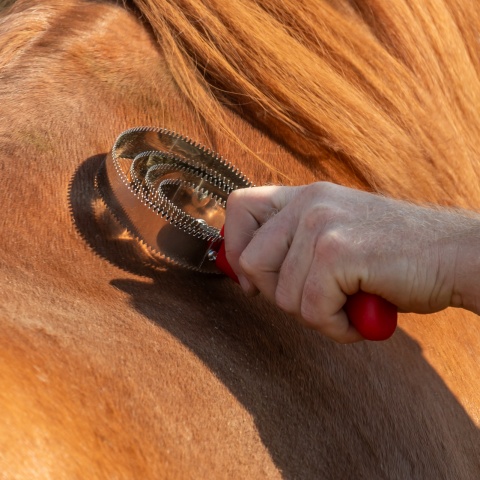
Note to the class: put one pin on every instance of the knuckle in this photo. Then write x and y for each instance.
(331, 245)
(316, 217)
(234, 200)
(325, 192)
(320, 216)
(236, 195)
(319, 189)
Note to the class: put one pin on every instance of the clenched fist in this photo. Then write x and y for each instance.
(306, 248)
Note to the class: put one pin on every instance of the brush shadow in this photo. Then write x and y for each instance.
(381, 405)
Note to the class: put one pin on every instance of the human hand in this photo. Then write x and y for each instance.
(306, 248)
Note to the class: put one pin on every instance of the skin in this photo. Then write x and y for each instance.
(305, 248)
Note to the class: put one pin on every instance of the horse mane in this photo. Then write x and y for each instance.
(361, 91)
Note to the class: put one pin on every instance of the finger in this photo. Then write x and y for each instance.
(247, 210)
(263, 257)
(322, 305)
(294, 271)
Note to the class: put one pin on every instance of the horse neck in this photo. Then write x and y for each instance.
(167, 365)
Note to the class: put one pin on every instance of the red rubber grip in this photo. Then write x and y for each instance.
(222, 263)
(374, 317)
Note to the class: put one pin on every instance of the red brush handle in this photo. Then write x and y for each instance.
(222, 263)
(373, 316)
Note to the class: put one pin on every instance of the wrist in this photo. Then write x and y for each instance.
(466, 286)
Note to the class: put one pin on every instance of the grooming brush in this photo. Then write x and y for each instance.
(171, 194)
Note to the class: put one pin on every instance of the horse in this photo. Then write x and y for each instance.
(113, 365)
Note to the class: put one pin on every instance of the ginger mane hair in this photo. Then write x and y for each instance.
(358, 90)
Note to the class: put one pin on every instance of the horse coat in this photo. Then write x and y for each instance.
(110, 368)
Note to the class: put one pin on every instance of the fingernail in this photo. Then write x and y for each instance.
(244, 283)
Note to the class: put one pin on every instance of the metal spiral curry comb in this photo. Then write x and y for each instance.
(171, 194)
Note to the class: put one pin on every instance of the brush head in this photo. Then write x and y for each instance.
(170, 193)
